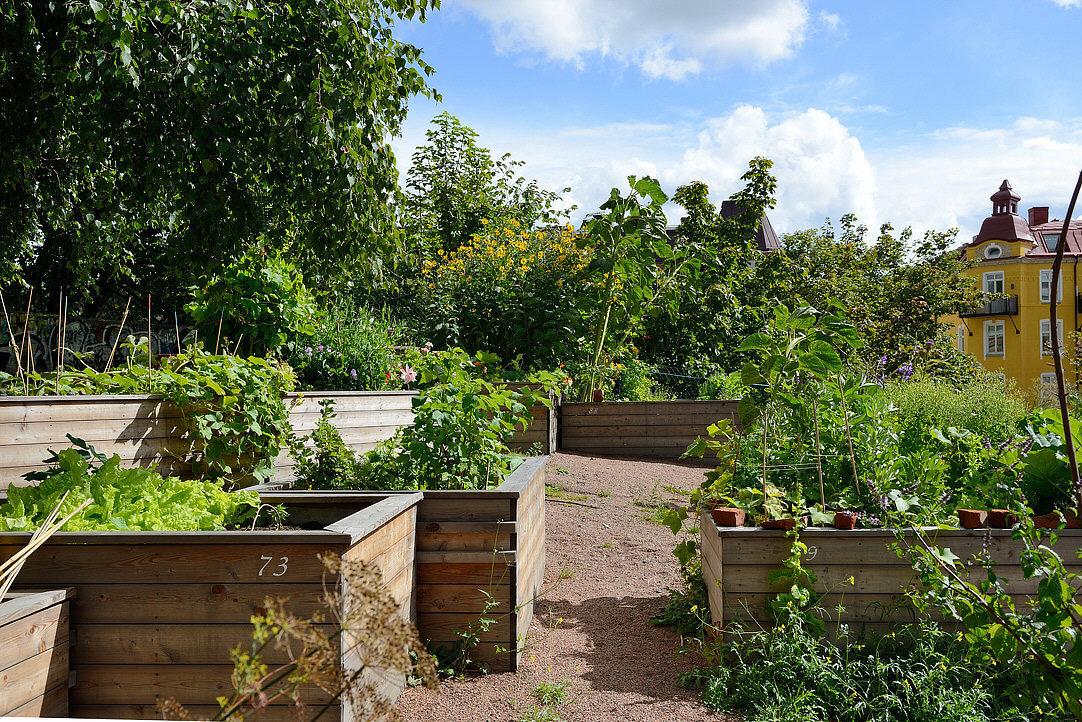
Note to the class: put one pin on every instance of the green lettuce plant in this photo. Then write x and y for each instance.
(135, 499)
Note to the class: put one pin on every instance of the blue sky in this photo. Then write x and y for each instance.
(909, 112)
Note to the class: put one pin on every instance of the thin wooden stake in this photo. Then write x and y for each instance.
(123, 320)
(764, 461)
(848, 435)
(11, 336)
(150, 346)
(64, 333)
(176, 326)
(219, 339)
(819, 458)
(59, 332)
(26, 340)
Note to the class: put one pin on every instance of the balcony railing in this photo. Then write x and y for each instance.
(999, 307)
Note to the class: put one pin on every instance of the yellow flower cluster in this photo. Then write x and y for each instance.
(510, 253)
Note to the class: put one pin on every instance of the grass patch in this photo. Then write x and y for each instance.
(549, 693)
(558, 492)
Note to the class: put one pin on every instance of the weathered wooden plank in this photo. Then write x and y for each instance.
(54, 703)
(447, 626)
(465, 598)
(33, 634)
(126, 645)
(466, 509)
(33, 677)
(58, 564)
(110, 684)
(464, 536)
(845, 548)
(149, 711)
(209, 602)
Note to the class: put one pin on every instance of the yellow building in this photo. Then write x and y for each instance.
(1010, 334)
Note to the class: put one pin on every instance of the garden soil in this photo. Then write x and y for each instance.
(592, 629)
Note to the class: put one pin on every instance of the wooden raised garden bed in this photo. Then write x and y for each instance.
(737, 563)
(647, 429)
(145, 429)
(34, 641)
(156, 613)
(476, 545)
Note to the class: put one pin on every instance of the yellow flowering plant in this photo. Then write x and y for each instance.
(521, 293)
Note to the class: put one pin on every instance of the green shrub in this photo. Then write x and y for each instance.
(349, 350)
(915, 673)
(986, 407)
(460, 428)
(233, 406)
(328, 463)
(633, 382)
(259, 301)
(723, 386)
(138, 499)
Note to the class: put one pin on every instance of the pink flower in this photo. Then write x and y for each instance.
(408, 374)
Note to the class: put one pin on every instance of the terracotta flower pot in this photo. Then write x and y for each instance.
(787, 524)
(728, 516)
(846, 520)
(972, 518)
(599, 396)
(1073, 521)
(1046, 521)
(1001, 519)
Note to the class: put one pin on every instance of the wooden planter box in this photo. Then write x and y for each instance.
(647, 429)
(472, 544)
(144, 429)
(34, 669)
(157, 612)
(856, 569)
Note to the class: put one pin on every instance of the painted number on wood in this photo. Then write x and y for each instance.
(276, 571)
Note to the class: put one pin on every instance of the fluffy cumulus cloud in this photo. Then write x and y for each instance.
(665, 40)
(937, 179)
(820, 166)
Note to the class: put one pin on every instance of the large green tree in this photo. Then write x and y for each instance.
(896, 289)
(454, 184)
(145, 143)
(698, 331)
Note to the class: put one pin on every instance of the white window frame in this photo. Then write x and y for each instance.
(1046, 332)
(993, 247)
(993, 277)
(1047, 390)
(1045, 282)
(990, 327)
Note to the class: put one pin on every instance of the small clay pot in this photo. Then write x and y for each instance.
(787, 524)
(599, 396)
(1001, 519)
(1073, 521)
(1050, 520)
(846, 520)
(972, 518)
(728, 516)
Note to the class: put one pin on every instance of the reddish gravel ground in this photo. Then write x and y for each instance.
(592, 629)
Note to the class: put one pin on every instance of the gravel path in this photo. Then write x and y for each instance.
(592, 629)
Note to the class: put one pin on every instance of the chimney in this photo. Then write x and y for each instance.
(1038, 215)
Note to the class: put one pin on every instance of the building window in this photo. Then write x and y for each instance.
(994, 338)
(1046, 286)
(961, 338)
(1046, 336)
(993, 283)
(993, 251)
(1051, 241)
(1047, 391)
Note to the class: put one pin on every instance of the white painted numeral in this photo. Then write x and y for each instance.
(282, 568)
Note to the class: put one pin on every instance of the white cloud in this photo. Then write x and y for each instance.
(1068, 3)
(830, 21)
(937, 179)
(665, 40)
